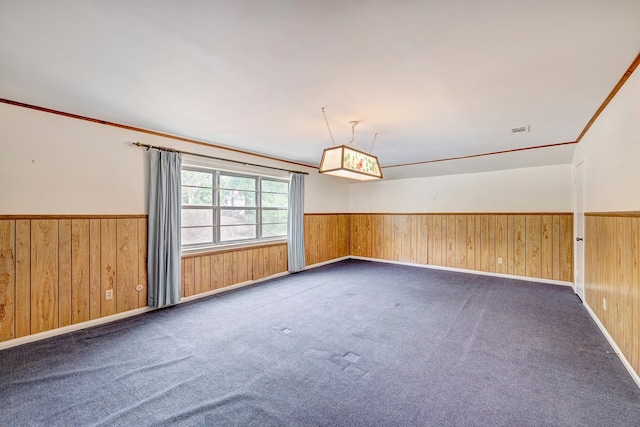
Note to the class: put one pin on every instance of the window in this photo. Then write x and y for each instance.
(221, 207)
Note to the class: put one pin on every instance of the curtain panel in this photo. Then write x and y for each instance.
(295, 223)
(164, 245)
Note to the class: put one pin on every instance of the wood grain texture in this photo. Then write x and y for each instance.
(326, 237)
(64, 264)
(142, 262)
(555, 247)
(546, 247)
(532, 246)
(127, 258)
(64, 272)
(23, 278)
(108, 264)
(188, 278)
(7, 279)
(80, 261)
(612, 272)
(44, 275)
(502, 244)
(217, 279)
(527, 244)
(95, 272)
(227, 267)
(242, 266)
(519, 241)
(566, 248)
(485, 243)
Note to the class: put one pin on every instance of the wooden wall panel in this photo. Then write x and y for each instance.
(127, 259)
(566, 248)
(461, 241)
(7, 279)
(326, 237)
(502, 243)
(211, 271)
(80, 260)
(555, 245)
(471, 243)
(23, 278)
(217, 279)
(612, 272)
(242, 266)
(546, 248)
(450, 239)
(64, 272)
(387, 241)
(510, 244)
(95, 272)
(519, 248)
(485, 240)
(108, 264)
(142, 262)
(436, 236)
(532, 245)
(227, 266)
(44, 275)
(188, 277)
(526, 244)
(197, 275)
(62, 266)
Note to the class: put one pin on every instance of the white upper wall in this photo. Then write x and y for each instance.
(611, 149)
(51, 164)
(535, 189)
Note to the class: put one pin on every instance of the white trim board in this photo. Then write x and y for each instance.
(464, 270)
(108, 319)
(613, 344)
(71, 328)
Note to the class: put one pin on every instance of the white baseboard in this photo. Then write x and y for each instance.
(613, 344)
(71, 328)
(331, 261)
(107, 319)
(464, 270)
(231, 287)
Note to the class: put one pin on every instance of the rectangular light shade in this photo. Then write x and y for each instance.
(347, 162)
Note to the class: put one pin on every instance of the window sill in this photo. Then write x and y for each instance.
(211, 250)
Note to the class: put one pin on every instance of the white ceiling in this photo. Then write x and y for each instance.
(437, 79)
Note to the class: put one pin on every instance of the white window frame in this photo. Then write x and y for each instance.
(216, 208)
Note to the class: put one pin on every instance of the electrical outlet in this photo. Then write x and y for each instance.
(604, 304)
(108, 294)
(499, 260)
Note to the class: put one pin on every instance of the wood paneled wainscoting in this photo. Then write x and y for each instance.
(537, 245)
(55, 271)
(326, 237)
(210, 271)
(612, 274)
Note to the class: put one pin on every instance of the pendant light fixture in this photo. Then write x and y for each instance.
(347, 161)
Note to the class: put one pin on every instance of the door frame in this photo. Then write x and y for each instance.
(579, 246)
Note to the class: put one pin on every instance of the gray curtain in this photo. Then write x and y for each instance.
(295, 223)
(163, 265)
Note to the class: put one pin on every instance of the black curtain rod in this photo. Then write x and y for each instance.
(148, 146)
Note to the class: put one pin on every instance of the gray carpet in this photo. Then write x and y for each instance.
(350, 344)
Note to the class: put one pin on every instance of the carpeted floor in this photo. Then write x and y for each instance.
(349, 344)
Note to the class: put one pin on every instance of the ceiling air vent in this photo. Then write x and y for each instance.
(521, 129)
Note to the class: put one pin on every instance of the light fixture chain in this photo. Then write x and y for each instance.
(329, 128)
(374, 141)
